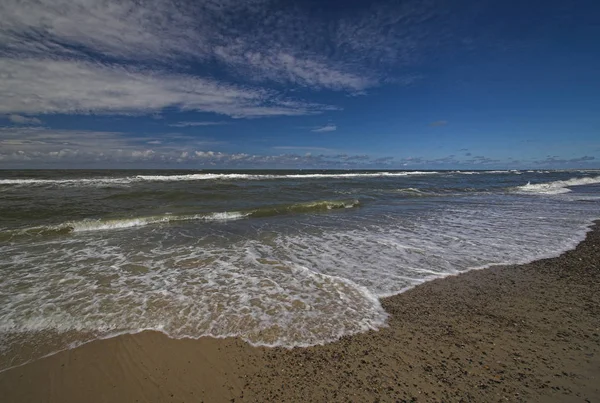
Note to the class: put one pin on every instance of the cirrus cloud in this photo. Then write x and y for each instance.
(65, 86)
(256, 40)
(195, 124)
(324, 129)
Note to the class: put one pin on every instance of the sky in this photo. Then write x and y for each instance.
(430, 84)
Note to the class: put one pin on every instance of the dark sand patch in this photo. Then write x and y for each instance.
(516, 333)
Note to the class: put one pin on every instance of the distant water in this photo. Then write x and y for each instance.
(290, 258)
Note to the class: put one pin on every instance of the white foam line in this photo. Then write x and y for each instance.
(271, 177)
(202, 176)
(441, 275)
(81, 181)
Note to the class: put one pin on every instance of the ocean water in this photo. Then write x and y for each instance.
(278, 258)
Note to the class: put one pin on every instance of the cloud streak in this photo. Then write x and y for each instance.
(65, 86)
(324, 129)
(195, 124)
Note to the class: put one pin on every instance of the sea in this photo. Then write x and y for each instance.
(276, 258)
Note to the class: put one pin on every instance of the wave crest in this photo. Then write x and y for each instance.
(107, 181)
(557, 187)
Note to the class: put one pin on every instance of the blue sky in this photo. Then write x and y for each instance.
(299, 84)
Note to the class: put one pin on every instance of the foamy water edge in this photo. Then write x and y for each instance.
(576, 240)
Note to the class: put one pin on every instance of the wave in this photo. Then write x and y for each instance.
(413, 192)
(122, 223)
(304, 207)
(79, 181)
(208, 176)
(107, 181)
(557, 187)
(509, 171)
(99, 225)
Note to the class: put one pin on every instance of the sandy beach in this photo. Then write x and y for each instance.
(514, 333)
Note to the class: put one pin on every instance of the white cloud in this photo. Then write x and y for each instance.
(327, 128)
(36, 86)
(24, 120)
(194, 124)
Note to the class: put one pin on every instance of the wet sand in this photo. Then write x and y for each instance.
(514, 333)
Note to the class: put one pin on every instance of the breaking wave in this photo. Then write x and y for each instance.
(121, 223)
(557, 187)
(212, 176)
(107, 181)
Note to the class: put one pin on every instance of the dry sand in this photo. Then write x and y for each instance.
(517, 333)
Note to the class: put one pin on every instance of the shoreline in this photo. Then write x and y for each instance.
(518, 333)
